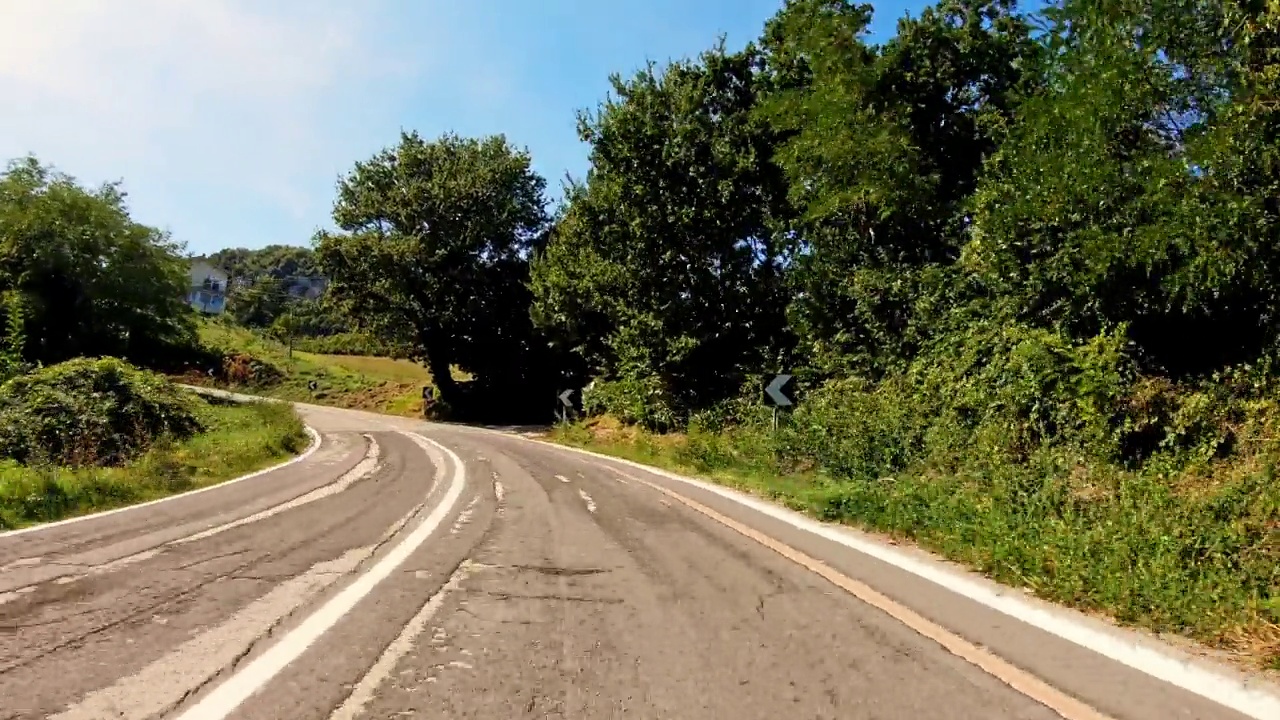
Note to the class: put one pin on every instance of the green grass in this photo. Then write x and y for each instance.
(361, 382)
(240, 439)
(1200, 562)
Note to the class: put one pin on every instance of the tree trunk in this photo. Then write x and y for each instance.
(442, 376)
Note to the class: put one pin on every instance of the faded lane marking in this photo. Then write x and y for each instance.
(328, 572)
(464, 517)
(367, 688)
(251, 678)
(316, 442)
(591, 504)
(22, 562)
(999, 668)
(562, 478)
(15, 594)
(367, 465)
(499, 494)
(160, 686)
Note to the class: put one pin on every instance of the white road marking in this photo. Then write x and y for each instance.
(247, 680)
(562, 478)
(163, 683)
(464, 517)
(367, 465)
(499, 492)
(315, 445)
(1220, 685)
(591, 504)
(22, 562)
(367, 688)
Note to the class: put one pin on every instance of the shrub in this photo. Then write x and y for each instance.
(91, 411)
(244, 369)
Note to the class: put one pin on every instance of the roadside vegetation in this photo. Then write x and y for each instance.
(92, 315)
(93, 434)
(257, 363)
(1024, 266)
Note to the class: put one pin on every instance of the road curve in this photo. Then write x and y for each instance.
(413, 570)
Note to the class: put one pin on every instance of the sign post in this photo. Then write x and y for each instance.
(777, 394)
(565, 404)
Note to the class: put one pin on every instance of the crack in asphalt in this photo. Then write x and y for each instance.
(165, 600)
(257, 642)
(568, 598)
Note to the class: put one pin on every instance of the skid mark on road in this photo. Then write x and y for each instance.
(367, 688)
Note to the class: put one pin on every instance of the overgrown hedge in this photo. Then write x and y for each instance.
(91, 412)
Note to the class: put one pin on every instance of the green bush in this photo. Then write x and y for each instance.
(92, 412)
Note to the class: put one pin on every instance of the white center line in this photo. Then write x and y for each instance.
(562, 478)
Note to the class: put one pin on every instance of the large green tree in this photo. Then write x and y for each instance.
(664, 270)
(883, 146)
(1140, 190)
(92, 281)
(433, 255)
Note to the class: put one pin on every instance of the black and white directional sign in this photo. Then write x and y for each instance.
(564, 398)
(778, 392)
(313, 385)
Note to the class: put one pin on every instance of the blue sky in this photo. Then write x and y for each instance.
(230, 120)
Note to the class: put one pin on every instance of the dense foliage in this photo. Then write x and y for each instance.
(91, 412)
(1026, 266)
(89, 280)
(432, 256)
(914, 209)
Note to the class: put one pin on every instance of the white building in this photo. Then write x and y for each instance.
(207, 291)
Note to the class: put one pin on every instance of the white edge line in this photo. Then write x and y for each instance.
(251, 678)
(316, 441)
(1218, 687)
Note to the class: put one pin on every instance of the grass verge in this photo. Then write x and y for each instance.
(1187, 566)
(240, 440)
(356, 382)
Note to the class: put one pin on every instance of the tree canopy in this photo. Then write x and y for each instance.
(91, 281)
(1098, 169)
(433, 255)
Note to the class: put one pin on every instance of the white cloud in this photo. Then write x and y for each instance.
(217, 96)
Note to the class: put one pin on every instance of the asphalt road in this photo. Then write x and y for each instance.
(405, 570)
